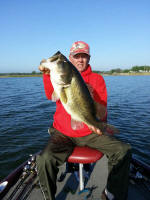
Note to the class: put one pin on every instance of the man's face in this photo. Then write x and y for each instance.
(80, 61)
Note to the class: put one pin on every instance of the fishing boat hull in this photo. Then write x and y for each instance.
(26, 186)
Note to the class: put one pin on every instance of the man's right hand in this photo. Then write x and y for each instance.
(44, 70)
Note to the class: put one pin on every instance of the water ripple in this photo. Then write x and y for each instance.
(26, 115)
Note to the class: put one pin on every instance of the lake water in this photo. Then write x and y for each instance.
(25, 115)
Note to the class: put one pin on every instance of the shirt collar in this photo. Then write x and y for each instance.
(87, 71)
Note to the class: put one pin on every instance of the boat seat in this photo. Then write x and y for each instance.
(84, 155)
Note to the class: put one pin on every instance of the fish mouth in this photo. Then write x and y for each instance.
(60, 83)
(63, 84)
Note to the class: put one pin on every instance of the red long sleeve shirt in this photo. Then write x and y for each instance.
(62, 120)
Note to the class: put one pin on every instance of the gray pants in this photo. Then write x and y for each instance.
(60, 147)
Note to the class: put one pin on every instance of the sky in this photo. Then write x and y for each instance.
(117, 31)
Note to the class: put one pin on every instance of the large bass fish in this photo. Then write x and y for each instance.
(74, 94)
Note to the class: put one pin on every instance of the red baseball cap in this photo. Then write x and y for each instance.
(80, 47)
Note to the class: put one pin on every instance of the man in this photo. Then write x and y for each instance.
(64, 137)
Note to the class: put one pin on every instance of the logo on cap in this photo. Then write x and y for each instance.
(80, 47)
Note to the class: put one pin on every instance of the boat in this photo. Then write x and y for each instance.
(23, 184)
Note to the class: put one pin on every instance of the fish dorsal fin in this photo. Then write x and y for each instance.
(76, 125)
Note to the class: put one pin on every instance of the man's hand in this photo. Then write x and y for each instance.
(44, 70)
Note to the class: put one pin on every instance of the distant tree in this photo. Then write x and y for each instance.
(117, 70)
(126, 70)
(33, 72)
(135, 68)
(142, 68)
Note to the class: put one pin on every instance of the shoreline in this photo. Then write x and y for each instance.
(127, 74)
(19, 76)
(103, 74)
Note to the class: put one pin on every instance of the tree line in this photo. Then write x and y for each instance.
(144, 68)
(19, 73)
(136, 68)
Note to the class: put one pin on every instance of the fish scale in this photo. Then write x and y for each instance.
(73, 93)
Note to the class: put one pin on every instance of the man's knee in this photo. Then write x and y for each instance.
(42, 158)
(121, 151)
(124, 150)
(127, 147)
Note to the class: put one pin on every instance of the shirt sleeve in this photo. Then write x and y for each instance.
(48, 87)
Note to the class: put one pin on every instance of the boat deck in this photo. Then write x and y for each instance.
(69, 188)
